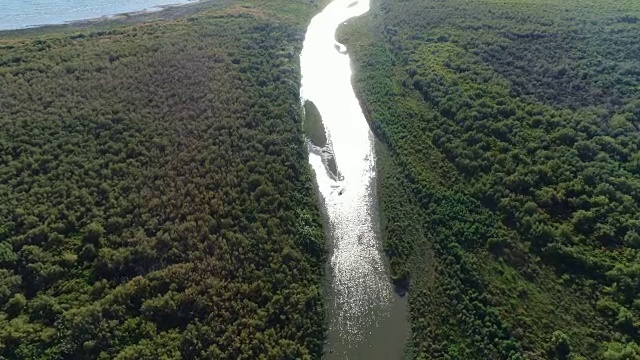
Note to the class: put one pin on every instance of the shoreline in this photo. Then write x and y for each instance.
(119, 16)
(151, 13)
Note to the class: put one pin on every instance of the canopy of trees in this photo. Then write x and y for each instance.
(155, 199)
(510, 171)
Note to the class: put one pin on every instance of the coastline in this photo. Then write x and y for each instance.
(160, 12)
(121, 15)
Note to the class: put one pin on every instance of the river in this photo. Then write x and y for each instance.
(367, 320)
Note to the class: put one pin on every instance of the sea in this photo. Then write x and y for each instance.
(20, 14)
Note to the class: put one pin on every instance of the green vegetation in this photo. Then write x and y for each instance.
(313, 126)
(510, 171)
(155, 197)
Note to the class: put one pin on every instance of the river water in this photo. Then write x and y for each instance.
(367, 320)
(18, 14)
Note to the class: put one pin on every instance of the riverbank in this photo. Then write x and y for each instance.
(485, 192)
(158, 200)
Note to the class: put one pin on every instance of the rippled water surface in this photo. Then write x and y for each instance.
(366, 318)
(18, 14)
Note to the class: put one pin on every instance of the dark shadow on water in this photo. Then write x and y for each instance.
(332, 166)
(313, 126)
(315, 131)
(400, 289)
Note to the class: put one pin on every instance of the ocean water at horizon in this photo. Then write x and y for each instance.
(20, 14)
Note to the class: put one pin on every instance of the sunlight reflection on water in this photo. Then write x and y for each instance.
(359, 282)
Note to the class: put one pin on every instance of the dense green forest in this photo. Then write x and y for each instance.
(509, 171)
(155, 197)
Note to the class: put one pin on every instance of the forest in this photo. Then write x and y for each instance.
(509, 163)
(156, 201)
